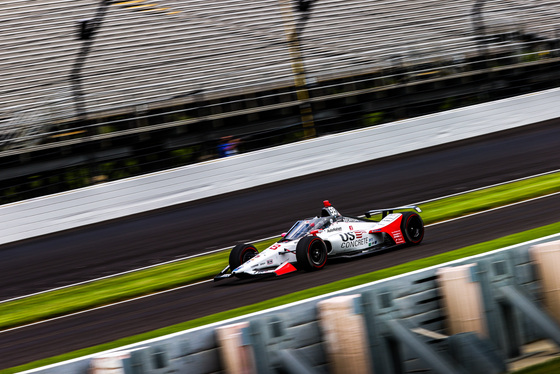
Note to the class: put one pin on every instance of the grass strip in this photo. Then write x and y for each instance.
(301, 295)
(144, 282)
(548, 367)
(493, 197)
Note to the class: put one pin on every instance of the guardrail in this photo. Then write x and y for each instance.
(117, 199)
(399, 324)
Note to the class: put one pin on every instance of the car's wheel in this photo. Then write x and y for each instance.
(412, 228)
(311, 253)
(240, 254)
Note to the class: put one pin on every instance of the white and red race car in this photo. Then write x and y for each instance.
(309, 242)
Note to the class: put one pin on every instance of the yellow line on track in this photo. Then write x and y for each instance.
(155, 10)
(67, 134)
(141, 6)
(130, 2)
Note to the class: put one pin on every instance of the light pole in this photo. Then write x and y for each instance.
(87, 30)
(293, 34)
(478, 26)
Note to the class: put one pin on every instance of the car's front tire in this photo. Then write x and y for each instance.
(240, 254)
(311, 253)
(412, 228)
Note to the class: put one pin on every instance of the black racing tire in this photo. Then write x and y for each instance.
(241, 253)
(311, 253)
(412, 228)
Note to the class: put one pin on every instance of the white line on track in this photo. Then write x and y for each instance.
(490, 186)
(259, 240)
(104, 306)
(493, 209)
(128, 272)
(210, 280)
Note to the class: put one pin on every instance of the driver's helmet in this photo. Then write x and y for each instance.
(328, 210)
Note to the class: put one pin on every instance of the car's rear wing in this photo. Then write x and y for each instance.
(384, 212)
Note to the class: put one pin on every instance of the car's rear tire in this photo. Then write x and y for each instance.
(240, 254)
(412, 228)
(311, 253)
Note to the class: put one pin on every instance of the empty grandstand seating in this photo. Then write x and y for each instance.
(148, 51)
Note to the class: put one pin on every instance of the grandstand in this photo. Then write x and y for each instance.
(171, 64)
(150, 51)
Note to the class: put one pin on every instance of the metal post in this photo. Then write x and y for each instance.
(436, 362)
(293, 363)
(293, 34)
(377, 307)
(256, 337)
(479, 28)
(88, 29)
(541, 319)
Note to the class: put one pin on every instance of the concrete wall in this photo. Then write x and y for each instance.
(413, 299)
(98, 203)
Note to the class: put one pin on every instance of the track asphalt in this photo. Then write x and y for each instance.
(119, 245)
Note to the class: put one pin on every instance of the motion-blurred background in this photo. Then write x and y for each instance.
(93, 91)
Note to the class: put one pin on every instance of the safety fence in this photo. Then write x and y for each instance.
(73, 157)
(471, 315)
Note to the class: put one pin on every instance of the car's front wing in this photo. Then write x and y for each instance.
(282, 269)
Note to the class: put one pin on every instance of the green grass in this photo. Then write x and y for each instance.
(106, 291)
(548, 367)
(490, 198)
(316, 291)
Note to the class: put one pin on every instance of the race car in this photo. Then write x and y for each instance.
(311, 241)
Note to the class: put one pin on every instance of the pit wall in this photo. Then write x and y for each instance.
(401, 324)
(45, 215)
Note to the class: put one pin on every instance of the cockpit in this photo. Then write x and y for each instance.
(304, 227)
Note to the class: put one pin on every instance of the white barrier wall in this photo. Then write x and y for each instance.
(111, 200)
